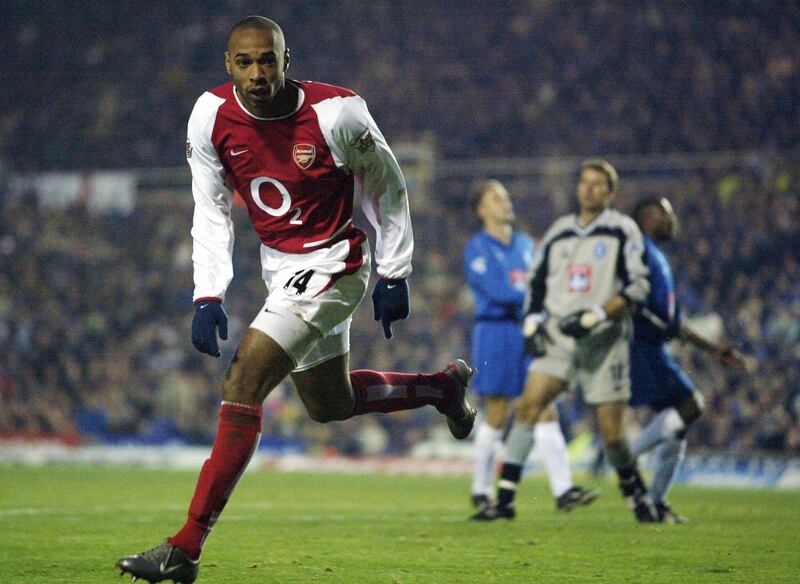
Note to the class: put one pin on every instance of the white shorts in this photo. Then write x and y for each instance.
(311, 300)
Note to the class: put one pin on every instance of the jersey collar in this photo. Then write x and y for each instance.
(584, 231)
(301, 97)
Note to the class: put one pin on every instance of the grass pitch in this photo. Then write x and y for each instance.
(70, 524)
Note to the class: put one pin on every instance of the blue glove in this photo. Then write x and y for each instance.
(208, 315)
(390, 303)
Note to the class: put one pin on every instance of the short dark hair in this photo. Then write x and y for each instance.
(605, 167)
(478, 190)
(255, 21)
(643, 207)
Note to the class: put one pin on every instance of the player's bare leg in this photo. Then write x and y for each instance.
(326, 391)
(540, 391)
(610, 420)
(257, 367)
(331, 392)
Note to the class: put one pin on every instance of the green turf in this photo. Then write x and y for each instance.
(69, 524)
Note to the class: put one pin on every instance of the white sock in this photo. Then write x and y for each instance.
(487, 441)
(665, 425)
(552, 447)
(669, 456)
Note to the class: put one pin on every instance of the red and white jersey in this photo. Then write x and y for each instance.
(298, 175)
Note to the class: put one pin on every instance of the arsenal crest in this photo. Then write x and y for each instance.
(304, 155)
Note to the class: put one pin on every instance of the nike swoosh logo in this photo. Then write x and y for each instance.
(390, 286)
(165, 571)
(234, 153)
(204, 306)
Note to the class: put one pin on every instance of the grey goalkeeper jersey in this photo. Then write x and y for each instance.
(581, 267)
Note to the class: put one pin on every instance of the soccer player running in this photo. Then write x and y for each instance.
(298, 152)
(497, 264)
(656, 379)
(588, 273)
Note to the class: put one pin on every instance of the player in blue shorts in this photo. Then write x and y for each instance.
(656, 379)
(497, 264)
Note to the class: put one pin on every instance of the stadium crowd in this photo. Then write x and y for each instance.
(95, 313)
(497, 78)
(95, 309)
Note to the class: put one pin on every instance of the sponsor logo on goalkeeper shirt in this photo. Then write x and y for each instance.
(579, 278)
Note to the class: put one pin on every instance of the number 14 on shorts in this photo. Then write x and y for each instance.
(299, 281)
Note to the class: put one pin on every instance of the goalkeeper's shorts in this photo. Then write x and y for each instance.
(599, 363)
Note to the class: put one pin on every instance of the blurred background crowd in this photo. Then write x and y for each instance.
(95, 308)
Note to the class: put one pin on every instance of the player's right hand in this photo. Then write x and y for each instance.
(208, 316)
(730, 357)
(536, 337)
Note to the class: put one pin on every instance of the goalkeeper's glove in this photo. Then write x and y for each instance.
(390, 303)
(580, 323)
(536, 337)
(208, 316)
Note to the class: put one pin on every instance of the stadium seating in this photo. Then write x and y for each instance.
(95, 309)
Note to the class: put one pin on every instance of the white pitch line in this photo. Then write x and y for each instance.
(235, 514)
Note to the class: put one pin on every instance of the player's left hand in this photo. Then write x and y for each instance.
(390, 303)
(209, 315)
(581, 322)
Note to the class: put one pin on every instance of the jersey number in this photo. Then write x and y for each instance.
(299, 281)
(286, 202)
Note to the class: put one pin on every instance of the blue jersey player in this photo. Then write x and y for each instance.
(656, 379)
(497, 264)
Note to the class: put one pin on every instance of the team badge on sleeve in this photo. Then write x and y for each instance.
(188, 149)
(365, 142)
(478, 265)
(304, 155)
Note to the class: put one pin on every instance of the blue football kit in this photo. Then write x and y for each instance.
(497, 275)
(656, 379)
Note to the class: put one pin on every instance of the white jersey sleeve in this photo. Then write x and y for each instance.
(358, 145)
(212, 227)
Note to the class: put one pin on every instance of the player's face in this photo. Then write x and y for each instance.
(257, 61)
(593, 193)
(496, 206)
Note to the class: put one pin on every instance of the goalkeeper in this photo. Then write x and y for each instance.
(588, 274)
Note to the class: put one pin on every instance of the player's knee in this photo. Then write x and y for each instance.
(527, 412)
(690, 410)
(324, 413)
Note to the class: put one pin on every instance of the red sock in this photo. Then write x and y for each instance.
(378, 391)
(237, 438)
